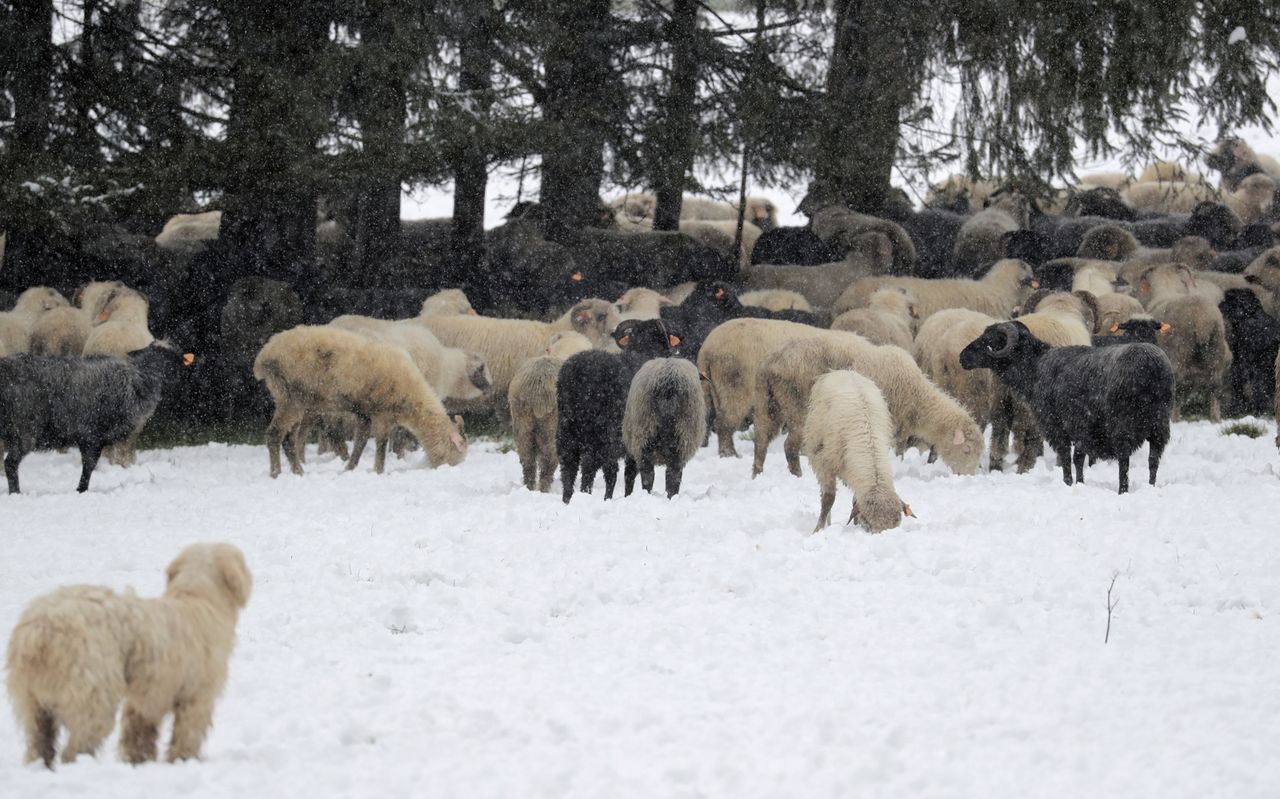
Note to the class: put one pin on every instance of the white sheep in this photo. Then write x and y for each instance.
(318, 369)
(641, 303)
(16, 325)
(532, 399)
(776, 300)
(720, 235)
(887, 319)
(822, 284)
(996, 294)
(664, 422)
(750, 373)
(960, 188)
(1109, 180)
(182, 229)
(846, 436)
(1168, 171)
(505, 344)
(1253, 198)
(1168, 197)
(447, 302)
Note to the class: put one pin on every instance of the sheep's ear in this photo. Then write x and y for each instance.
(1115, 326)
(906, 511)
(459, 423)
(674, 340)
(958, 438)
(473, 312)
(914, 311)
(664, 300)
(1165, 327)
(1144, 286)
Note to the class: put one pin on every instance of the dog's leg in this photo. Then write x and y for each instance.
(191, 722)
(137, 736)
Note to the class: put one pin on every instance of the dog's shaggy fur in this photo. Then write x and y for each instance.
(79, 650)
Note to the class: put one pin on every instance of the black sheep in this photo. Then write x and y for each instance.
(1102, 201)
(591, 396)
(1254, 338)
(1103, 401)
(51, 402)
(797, 246)
(1132, 331)
(713, 303)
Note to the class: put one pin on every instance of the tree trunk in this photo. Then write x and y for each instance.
(269, 218)
(582, 94)
(382, 120)
(32, 79)
(470, 160)
(874, 73)
(673, 155)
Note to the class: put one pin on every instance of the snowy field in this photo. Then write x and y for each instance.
(447, 633)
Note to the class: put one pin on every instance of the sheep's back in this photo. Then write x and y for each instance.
(665, 402)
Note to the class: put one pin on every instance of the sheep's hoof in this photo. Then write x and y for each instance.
(794, 468)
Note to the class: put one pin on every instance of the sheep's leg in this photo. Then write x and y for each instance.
(284, 421)
(628, 476)
(590, 465)
(610, 476)
(1153, 457)
(828, 501)
(791, 448)
(359, 442)
(545, 448)
(1078, 457)
(766, 425)
(1215, 407)
(380, 454)
(725, 428)
(1063, 461)
(1031, 447)
(89, 454)
(138, 736)
(191, 722)
(527, 449)
(1124, 474)
(646, 474)
(568, 473)
(673, 477)
(11, 460)
(40, 729)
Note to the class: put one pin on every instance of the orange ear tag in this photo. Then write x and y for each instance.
(719, 294)
(103, 316)
(675, 340)
(1165, 327)
(1115, 328)
(188, 358)
(576, 276)
(624, 341)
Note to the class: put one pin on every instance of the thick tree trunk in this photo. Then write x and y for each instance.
(581, 97)
(673, 155)
(470, 161)
(32, 77)
(875, 70)
(269, 218)
(382, 121)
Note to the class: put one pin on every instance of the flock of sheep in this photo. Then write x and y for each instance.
(857, 335)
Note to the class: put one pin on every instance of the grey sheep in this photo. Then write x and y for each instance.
(664, 422)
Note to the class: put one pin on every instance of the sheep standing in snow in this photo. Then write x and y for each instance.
(591, 397)
(16, 325)
(664, 422)
(118, 329)
(996, 294)
(532, 398)
(50, 402)
(1254, 338)
(1102, 401)
(887, 319)
(846, 436)
(326, 370)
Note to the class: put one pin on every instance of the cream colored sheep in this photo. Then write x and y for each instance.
(1109, 180)
(454, 375)
(847, 431)
(183, 229)
(1060, 319)
(1095, 279)
(16, 325)
(1168, 171)
(980, 242)
(641, 303)
(681, 291)
(532, 399)
(960, 188)
(636, 211)
(448, 302)
(65, 330)
(720, 235)
(1236, 160)
(1107, 243)
(734, 355)
(507, 343)
(1197, 341)
(1168, 197)
(996, 294)
(822, 284)
(886, 319)
(1114, 310)
(121, 326)
(1253, 199)
(318, 369)
(776, 300)
(847, 230)
(76, 652)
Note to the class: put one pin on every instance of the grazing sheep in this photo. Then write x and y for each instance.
(1197, 341)
(51, 402)
(79, 650)
(795, 246)
(776, 300)
(886, 319)
(1168, 197)
(1103, 401)
(454, 375)
(821, 285)
(766, 368)
(664, 422)
(996, 294)
(505, 344)
(591, 398)
(316, 370)
(16, 325)
(846, 230)
(1254, 339)
(847, 431)
(532, 398)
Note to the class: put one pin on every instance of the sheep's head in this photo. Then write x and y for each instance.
(1142, 329)
(1229, 152)
(596, 319)
(647, 338)
(449, 302)
(1000, 345)
(879, 509)
(566, 343)
(38, 299)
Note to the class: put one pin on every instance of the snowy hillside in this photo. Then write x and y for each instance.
(449, 634)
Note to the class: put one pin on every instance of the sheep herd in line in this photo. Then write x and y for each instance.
(1084, 329)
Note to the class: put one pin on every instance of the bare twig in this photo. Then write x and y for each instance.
(1110, 606)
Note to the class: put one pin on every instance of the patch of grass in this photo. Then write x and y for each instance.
(166, 433)
(1250, 429)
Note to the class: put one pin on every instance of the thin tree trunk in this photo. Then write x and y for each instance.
(581, 96)
(32, 78)
(470, 161)
(382, 121)
(673, 154)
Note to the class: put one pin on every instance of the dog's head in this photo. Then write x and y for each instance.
(210, 570)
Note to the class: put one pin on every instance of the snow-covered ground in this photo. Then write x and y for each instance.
(448, 633)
